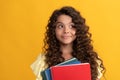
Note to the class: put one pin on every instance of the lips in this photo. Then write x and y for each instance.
(65, 37)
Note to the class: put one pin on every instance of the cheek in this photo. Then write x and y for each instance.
(74, 32)
(57, 33)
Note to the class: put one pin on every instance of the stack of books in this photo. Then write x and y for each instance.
(71, 69)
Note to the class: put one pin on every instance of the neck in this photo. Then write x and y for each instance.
(66, 51)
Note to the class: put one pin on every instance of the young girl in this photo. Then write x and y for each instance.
(67, 36)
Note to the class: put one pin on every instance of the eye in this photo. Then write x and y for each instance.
(72, 25)
(60, 26)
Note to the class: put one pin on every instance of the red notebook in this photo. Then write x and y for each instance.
(71, 72)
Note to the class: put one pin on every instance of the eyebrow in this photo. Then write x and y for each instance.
(58, 22)
(62, 23)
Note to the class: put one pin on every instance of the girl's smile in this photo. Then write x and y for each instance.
(65, 30)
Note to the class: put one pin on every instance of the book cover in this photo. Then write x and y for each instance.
(46, 74)
(71, 72)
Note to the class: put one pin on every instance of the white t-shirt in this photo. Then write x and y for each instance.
(40, 65)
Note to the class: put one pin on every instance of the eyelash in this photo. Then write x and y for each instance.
(72, 26)
(61, 26)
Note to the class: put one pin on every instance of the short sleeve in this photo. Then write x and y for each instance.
(99, 69)
(38, 66)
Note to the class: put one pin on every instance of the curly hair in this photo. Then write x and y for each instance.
(82, 47)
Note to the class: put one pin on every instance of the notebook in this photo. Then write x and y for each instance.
(46, 74)
(71, 72)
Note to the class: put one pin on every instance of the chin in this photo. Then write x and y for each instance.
(66, 43)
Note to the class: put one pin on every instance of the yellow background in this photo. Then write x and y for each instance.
(22, 27)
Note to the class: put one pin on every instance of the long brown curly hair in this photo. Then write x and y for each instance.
(82, 47)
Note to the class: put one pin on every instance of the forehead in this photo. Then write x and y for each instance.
(64, 19)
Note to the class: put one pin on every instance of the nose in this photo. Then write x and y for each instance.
(66, 30)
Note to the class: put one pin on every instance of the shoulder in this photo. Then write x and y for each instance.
(39, 65)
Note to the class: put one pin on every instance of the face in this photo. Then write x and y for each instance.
(65, 30)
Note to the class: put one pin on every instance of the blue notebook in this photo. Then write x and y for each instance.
(46, 74)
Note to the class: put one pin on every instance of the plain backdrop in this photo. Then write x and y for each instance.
(22, 28)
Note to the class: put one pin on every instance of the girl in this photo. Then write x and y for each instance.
(67, 36)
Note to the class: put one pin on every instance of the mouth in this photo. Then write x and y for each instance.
(66, 37)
